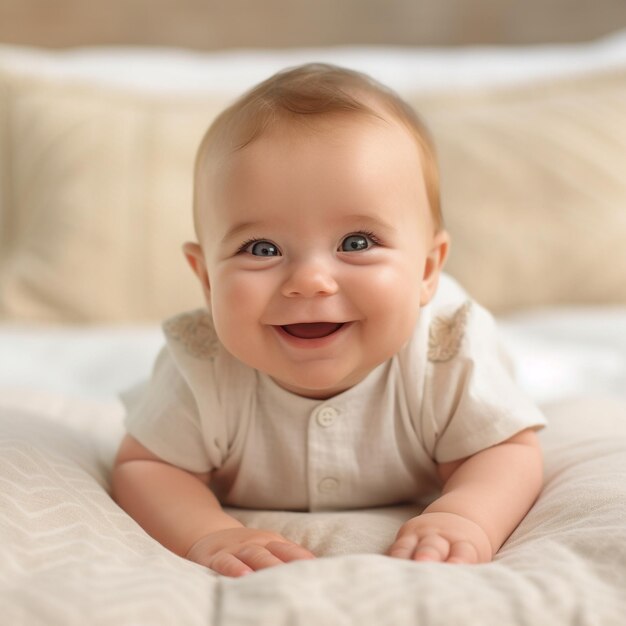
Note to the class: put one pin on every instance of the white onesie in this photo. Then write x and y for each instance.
(446, 395)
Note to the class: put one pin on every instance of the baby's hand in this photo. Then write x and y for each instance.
(443, 537)
(239, 551)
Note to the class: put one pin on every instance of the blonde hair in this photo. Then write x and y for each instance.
(314, 89)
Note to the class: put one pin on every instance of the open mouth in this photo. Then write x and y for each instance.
(313, 330)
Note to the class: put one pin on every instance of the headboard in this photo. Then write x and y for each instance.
(213, 24)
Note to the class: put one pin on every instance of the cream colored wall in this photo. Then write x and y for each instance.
(210, 24)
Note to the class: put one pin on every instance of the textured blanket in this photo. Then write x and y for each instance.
(69, 555)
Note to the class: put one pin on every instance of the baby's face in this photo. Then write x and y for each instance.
(316, 245)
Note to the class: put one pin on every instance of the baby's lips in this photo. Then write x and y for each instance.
(313, 330)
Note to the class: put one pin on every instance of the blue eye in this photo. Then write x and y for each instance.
(263, 248)
(354, 243)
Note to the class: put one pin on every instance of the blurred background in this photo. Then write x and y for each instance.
(211, 24)
(103, 104)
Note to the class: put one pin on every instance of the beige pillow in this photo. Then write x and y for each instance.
(534, 190)
(534, 194)
(100, 195)
(4, 169)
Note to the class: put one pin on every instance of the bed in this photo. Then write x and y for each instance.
(96, 147)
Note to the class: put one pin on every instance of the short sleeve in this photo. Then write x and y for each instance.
(471, 400)
(162, 415)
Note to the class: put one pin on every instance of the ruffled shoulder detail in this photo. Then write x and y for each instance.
(446, 334)
(195, 332)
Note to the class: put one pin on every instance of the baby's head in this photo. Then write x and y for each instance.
(305, 96)
(316, 206)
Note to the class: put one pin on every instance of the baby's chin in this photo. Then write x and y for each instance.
(313, 394)
(321, 387)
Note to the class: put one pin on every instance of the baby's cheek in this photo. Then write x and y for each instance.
(395, 308)
(397, 293)
(237, 303)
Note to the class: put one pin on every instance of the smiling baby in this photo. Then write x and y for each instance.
(334, 366)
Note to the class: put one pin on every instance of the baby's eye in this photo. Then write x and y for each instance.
(354, 243)
(262, 248)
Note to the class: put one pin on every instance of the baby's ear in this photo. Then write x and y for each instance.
(195, 258)
(434, 264)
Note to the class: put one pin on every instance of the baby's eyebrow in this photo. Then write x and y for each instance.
(238, 228)
(352, 220)
(371, 221)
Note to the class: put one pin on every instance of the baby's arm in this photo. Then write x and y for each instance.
(484, 498)
(179, 510)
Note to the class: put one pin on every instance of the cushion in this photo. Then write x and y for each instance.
(534, 189)
(100, 196)
(98, 200)
(4, 169)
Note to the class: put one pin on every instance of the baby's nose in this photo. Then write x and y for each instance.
(308, 279)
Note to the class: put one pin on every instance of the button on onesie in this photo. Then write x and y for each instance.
(327, 437)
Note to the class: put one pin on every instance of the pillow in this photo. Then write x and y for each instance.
(101, 186)
(534, 189)
(100, 195)
(4, 172)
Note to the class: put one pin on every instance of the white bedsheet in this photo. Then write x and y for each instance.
(70, 556)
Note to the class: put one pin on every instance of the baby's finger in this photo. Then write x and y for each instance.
(257, 557)
(229, 565)
(432, 548)
(462, 552)
(403, 547)
(289, 551)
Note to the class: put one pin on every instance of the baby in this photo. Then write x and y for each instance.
(328, 370)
